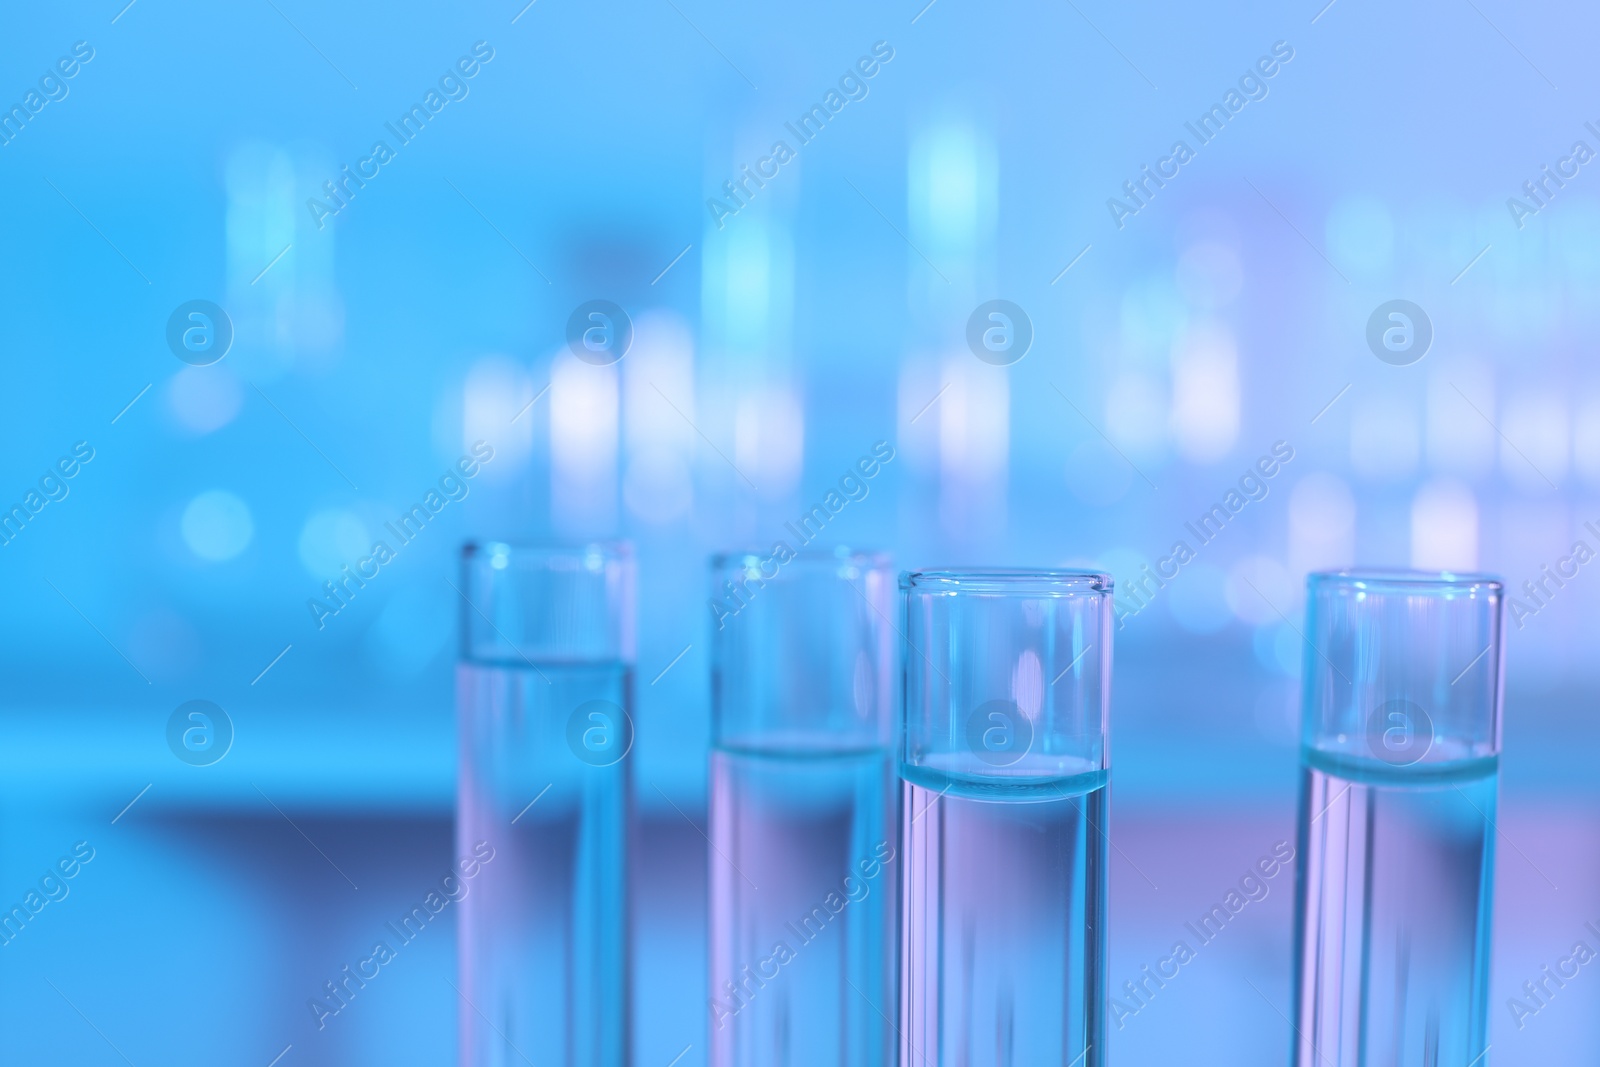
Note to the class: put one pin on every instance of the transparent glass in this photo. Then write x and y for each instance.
(545, 693)
(1400, 775)
(1005, 759)
(803, 862)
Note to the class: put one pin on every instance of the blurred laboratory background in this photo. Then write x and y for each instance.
(1176, 325)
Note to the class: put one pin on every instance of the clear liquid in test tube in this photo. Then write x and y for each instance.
(1400, 778)
(545, 693)
(804, 861)
(1005, 761)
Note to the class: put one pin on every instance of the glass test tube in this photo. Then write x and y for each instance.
(545, 690)
(804, 858)
(1005, 761)
(1400, 757)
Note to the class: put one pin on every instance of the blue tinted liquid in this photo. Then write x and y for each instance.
(543, 931)
(1392, 910)
(1003, 921)
(804, 857)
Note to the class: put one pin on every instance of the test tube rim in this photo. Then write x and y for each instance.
(612, 549)
(1409, 581)
(871, 559)
(1013, 581)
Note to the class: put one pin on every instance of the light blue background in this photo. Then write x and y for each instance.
(820, 319)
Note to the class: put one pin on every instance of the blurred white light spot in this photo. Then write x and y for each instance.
(922, 389)
(1444, 527)
(1537, 442)
(660, 363)
(331, 539)
(1322, 524)
(1259, 587)
(974, 422)
(217, 525)
(769, 440)
(974, 449)
(861, 687)
(1384, 438)
(952, 185)
(1027, 683)
(1205, 394)
(1459, 438)
(204, 399)
(1586, 440)
(583, 443)
(495, 392)
(1136, 415)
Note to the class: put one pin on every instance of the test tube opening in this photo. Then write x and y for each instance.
(1399, 786)
(803, 859)
(547, 602)
(1005, 763)
(1403, 670)
(1007, 674)
(544, 709)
